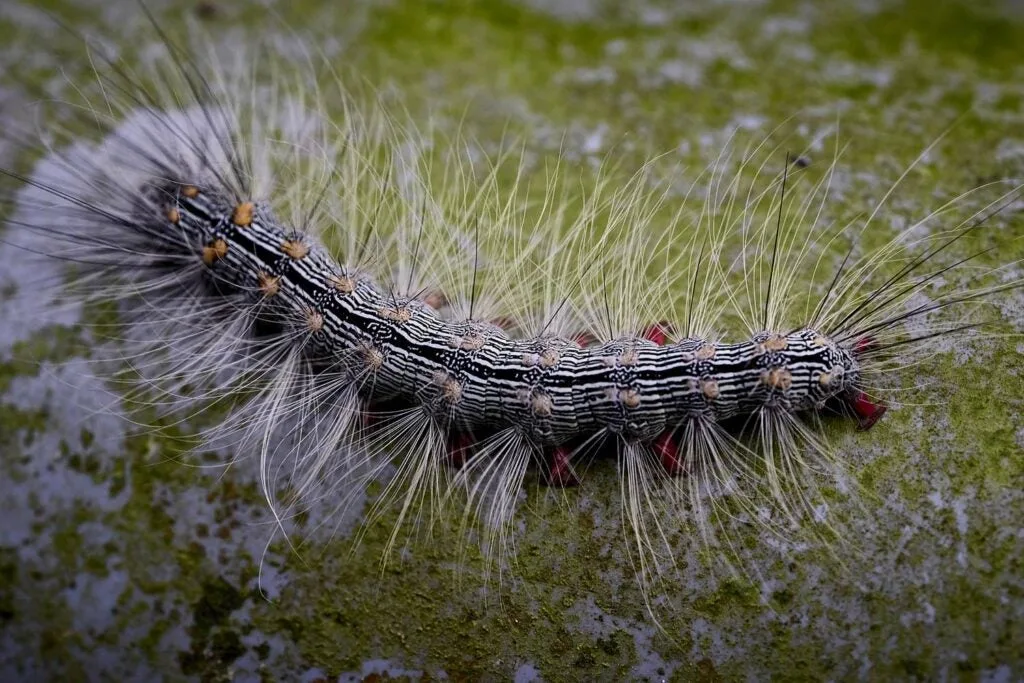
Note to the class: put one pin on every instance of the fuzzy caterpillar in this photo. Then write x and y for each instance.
(175, 215)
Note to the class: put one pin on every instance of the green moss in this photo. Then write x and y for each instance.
(732, 594)
(49, 345)
(338, 607)
(215, 644)
(961, 34)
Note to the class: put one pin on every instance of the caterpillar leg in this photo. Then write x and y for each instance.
(659, 332)
(667, 449)
(459, 449)
(560, 472)
(435, 299)
(504, 322)
(585, 339)
(867, 411)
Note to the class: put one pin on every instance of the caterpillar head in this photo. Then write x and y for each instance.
(805, 367)
(813, 369)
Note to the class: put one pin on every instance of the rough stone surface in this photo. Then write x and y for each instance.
(120, 559)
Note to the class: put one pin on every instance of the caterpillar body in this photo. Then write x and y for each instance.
(212, 210)
(470, 376)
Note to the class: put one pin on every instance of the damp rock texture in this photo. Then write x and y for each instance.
(122, 557)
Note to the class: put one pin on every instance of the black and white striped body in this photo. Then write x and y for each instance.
(472, 375)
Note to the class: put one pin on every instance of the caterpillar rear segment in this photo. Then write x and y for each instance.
(474, 378)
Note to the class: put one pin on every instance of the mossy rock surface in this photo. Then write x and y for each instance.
(119, 561)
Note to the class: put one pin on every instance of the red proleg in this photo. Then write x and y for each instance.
(459, 448)
(868, 412)
(667, 450)
(560, 470)
(658, 332)
(585, 339)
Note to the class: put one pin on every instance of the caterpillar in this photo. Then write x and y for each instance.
(360, 300)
